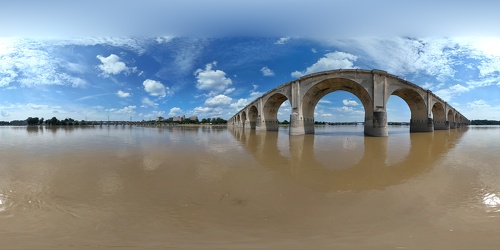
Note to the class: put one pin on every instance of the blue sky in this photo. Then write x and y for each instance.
(88, 60)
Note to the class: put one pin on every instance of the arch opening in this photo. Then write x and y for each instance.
(339, 107)
(275, 105)
(398, 115)
(243, 119)
(419, 120)
(439, 117)
(253, 114)
(315, 94)
(238, 120)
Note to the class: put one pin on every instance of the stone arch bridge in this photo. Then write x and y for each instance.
(372, 87)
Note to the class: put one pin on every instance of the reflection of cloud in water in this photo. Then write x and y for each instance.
(2, 203)
(491, 200)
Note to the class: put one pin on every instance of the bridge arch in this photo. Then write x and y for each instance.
(243, 118)
(418, 108)
(317, 90)
(270, 110)
(253, 114)
(439, 117)
(237, 120)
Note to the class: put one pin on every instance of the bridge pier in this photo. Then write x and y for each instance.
(296, 125)
(377, 124)
(253, 125)
(422, 125)
(266, 126)
(300, 125)
(442, 125)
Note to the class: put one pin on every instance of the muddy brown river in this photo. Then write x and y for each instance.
(217, 188)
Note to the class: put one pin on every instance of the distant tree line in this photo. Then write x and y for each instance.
(484, 122)
(31, 121)
(216, 120)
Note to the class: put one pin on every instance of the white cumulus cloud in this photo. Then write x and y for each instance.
(155, 88)
(175, 111)
(212, 80)
(112, 65)
(241, 103)
(123, 94)
(333, 60)
(448, 93)
(36, 106)
(126, 110)
(350, 102)
(229, 91)
(266, 71)
(218, 100)
(282, 40)
(146, 102)
(478, 104)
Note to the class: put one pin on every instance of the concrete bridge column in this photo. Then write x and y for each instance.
(447, 125)
(421, 125)
(266, 125)
(376, 125)
(260, 124)
(272, 125)
(453, 125)
(441, 125)
(296, 124)
(299, 124)
(376, 119)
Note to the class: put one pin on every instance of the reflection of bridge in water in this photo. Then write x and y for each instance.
(373, 88)
(373, 167)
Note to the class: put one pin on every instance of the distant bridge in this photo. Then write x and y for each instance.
(372, 87)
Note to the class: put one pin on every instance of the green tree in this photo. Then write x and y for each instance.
(53, 121)
(218, 120)
(32, 120)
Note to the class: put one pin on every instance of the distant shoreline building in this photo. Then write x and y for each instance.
(178, 118)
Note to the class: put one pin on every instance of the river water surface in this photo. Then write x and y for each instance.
(218, 188)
